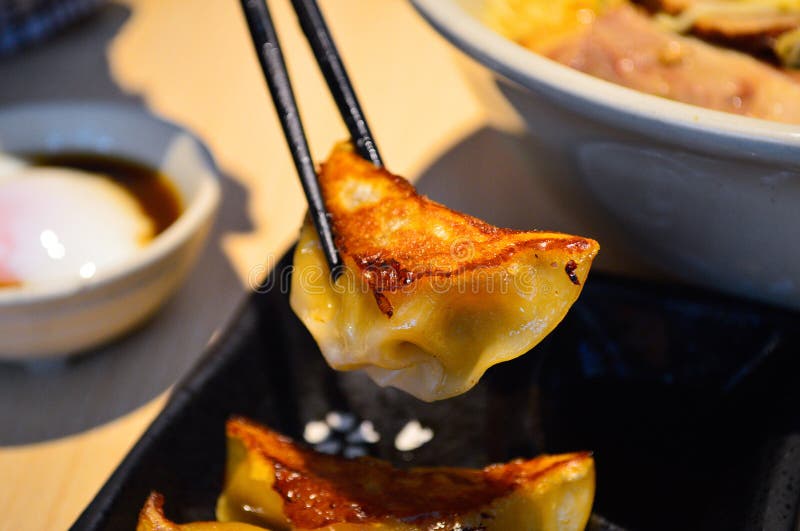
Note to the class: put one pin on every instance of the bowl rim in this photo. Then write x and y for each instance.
(721, 132)
(191, 219)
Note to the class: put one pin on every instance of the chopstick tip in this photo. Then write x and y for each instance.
(336, 272)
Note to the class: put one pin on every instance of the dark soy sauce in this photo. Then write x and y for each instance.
(153, 191)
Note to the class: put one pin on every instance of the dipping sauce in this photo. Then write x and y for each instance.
(71, 215)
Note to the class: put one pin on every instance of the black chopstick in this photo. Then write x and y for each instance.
(268, 49)
(321, 41)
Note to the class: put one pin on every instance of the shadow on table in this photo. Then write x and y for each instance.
(46, 400)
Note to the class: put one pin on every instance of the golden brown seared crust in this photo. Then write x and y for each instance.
(151, 517)
(319, 489)
(395, 236)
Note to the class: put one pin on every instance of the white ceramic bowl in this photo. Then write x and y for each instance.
(708, 197)
(37, 322)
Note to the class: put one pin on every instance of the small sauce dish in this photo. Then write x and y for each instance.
(103, 211)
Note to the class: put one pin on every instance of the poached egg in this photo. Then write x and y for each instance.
(61, 224)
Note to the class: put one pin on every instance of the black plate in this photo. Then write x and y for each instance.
(688, 399)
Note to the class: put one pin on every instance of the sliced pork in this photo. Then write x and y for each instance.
(625, 46)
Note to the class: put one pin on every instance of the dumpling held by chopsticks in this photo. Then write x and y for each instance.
(431, 298)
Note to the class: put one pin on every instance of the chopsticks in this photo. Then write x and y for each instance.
(265, 40)
(321, 41)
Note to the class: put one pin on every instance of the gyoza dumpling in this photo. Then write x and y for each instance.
(273, 482)
(430, 298)
(152, 518)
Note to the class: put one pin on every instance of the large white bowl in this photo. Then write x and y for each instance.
(38, 322)
(708, 197)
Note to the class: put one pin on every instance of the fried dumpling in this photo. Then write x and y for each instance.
(431, 298)
(271, 481)
(152, 518)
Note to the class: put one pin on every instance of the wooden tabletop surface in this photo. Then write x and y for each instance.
(192, 62)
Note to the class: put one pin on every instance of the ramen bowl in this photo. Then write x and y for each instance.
(696, 195)
(75, 312)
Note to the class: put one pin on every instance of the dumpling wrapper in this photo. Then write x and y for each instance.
(271, 481)
(152, 518)
(430, 298)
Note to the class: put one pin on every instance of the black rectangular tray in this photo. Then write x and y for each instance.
(688, 400)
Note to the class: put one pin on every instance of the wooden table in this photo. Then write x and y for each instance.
(192, 62)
